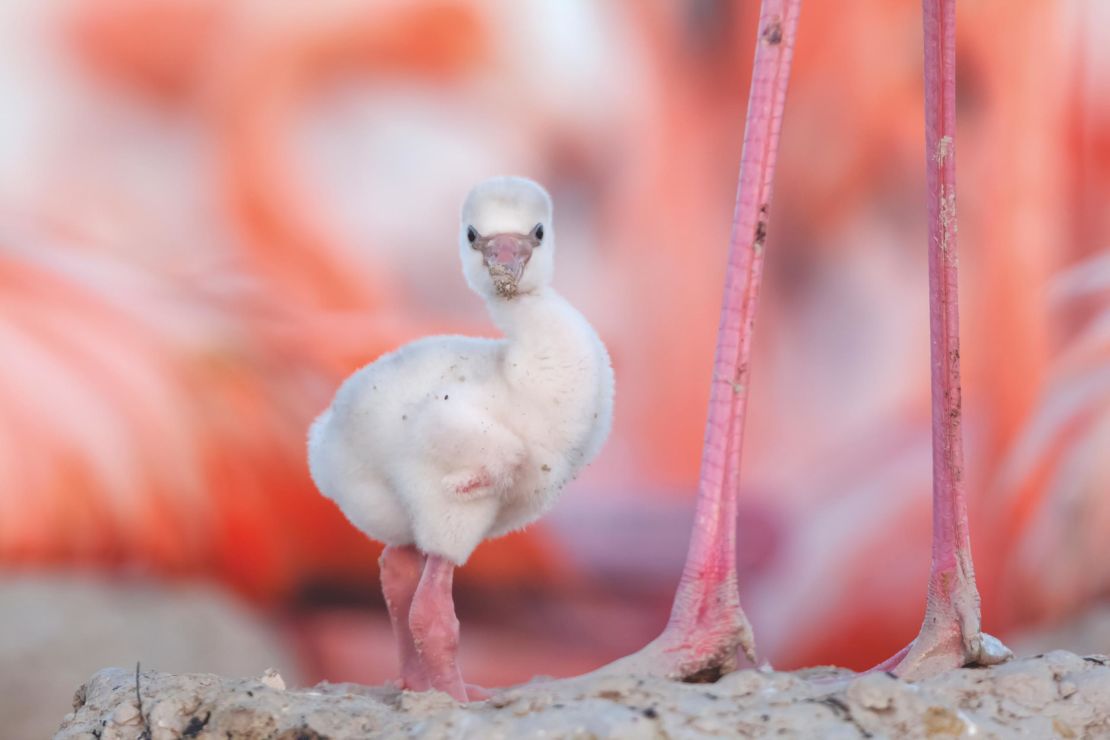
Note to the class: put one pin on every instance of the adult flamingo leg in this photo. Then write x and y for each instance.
(401, 568)
(950, 635)
(707, 626)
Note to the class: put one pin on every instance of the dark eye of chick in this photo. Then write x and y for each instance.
(471, 234)
(538, 232)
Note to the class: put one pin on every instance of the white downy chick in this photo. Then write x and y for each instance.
(451, 440)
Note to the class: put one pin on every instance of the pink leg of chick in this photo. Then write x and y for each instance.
(435, 628)
(401, 568)
(422, 650)
(950, 635)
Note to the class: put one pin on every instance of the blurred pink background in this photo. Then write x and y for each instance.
(211, 212)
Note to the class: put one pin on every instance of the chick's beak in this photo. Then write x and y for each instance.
(505, 256)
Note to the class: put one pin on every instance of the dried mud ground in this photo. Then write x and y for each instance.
(1058, 694)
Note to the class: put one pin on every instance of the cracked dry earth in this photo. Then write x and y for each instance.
(1059, 694)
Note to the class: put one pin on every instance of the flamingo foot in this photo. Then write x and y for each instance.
(474, 692)
(703, 640)
(698, 656)
(939, 648)
(950, 636)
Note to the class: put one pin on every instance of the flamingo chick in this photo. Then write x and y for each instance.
(451, 440)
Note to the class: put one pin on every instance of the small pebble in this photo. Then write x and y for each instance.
(272, 679)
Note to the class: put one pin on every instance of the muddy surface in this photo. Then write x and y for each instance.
(1058, 694)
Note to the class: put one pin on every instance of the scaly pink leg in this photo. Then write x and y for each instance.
(435, 629)
(400, 575)
(707, 626)
(950, 635)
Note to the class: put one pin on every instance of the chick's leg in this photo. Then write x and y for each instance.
(435, 628)
(400, 575)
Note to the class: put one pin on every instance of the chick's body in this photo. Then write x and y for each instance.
(450, 440)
